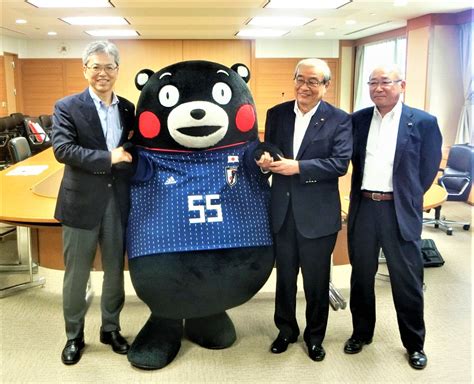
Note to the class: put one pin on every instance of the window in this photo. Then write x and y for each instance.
(368, 56)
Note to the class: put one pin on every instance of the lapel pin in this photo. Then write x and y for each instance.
(410, 124)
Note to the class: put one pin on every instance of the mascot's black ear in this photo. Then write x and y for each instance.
(242, 70)
(142, 78)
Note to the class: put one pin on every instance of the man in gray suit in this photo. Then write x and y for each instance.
(89, 129)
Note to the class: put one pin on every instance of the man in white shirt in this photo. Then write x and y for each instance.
(396, 154)
(315, 139)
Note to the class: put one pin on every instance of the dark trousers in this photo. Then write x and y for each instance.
(80, 247)
(376, 227)
(314, 257)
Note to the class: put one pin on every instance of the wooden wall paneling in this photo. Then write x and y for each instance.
(73, 80)
(274, 84)
(141, 54)
(3, 89)
(43, 84)
(227, 52)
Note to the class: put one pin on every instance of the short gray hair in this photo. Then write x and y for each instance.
(102, 46)
(318, 64)
(390, 68)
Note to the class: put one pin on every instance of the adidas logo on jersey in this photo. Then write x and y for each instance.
(170, 180)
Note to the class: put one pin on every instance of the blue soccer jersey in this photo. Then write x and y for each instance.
(198, 201)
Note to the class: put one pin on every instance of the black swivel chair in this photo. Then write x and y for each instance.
(19, 149)
(457, 180)
(46, 122)
(38, 138)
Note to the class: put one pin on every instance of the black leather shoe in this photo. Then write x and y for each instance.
(72, 351)
(115, 339)
(280, 344)
(417, 359)
(355, 345)
(316, 352)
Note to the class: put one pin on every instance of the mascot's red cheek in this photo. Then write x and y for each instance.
(245, 118)
(149, 125)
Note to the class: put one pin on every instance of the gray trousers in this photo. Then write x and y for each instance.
(79, 246)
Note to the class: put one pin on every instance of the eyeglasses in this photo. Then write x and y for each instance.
(96, 68)
(383, 83)
(311, 83)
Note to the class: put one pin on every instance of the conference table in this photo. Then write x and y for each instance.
(28, 198)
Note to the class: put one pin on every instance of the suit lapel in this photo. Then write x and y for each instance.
(124, 112)
(314, 126)
(91, 118)
(363, 134)
(404, 130)
(288, 124)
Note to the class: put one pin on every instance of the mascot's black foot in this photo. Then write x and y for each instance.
(213, 332)
(157, 344)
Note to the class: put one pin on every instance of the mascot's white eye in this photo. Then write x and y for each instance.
(169, 95)
(221, 93)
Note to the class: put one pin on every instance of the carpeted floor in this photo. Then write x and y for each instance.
(32, 334)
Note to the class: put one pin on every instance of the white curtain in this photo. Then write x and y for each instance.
(465, 133)
(368, 57)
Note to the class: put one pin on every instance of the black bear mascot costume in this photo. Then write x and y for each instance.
(198, 238)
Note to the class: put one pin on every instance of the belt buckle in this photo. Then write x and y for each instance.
(376, 196)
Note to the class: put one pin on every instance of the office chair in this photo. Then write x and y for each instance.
(46, 122)
(457, 181)
(38, 138)
(19, 149)
(19, 126)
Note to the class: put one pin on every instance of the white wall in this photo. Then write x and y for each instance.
(444, 85)
(44, 49)
(273, 48)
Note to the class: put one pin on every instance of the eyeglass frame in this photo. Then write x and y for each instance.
(302, 81)
(106, 68)
(383, 83)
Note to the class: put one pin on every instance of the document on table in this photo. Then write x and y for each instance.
(27, 170)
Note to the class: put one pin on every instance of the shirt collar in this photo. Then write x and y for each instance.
(309, 114)
(99, 102)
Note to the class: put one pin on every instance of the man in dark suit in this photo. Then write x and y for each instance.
(88, 132)
(315, 139)
(397, 151)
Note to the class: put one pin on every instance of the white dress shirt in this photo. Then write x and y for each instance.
(380, 150)
(301, 125)
(109, 119)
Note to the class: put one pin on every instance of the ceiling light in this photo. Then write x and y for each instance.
(70, 3)
(113, 32)
(305, 4)
(279, 21)
(400, 3)
(21, 21)
(351, 22)
(319, 33)
(261, 33)
(52, 33)
(95, 20)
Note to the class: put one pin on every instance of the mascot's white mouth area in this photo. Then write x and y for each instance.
(198, 124)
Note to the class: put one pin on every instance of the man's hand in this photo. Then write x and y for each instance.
(286, 167)
(265, 161)
(119, 154)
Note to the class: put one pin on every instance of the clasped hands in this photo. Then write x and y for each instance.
(120, 155)
(283, 166)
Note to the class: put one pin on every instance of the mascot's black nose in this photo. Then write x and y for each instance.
(198, 114)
